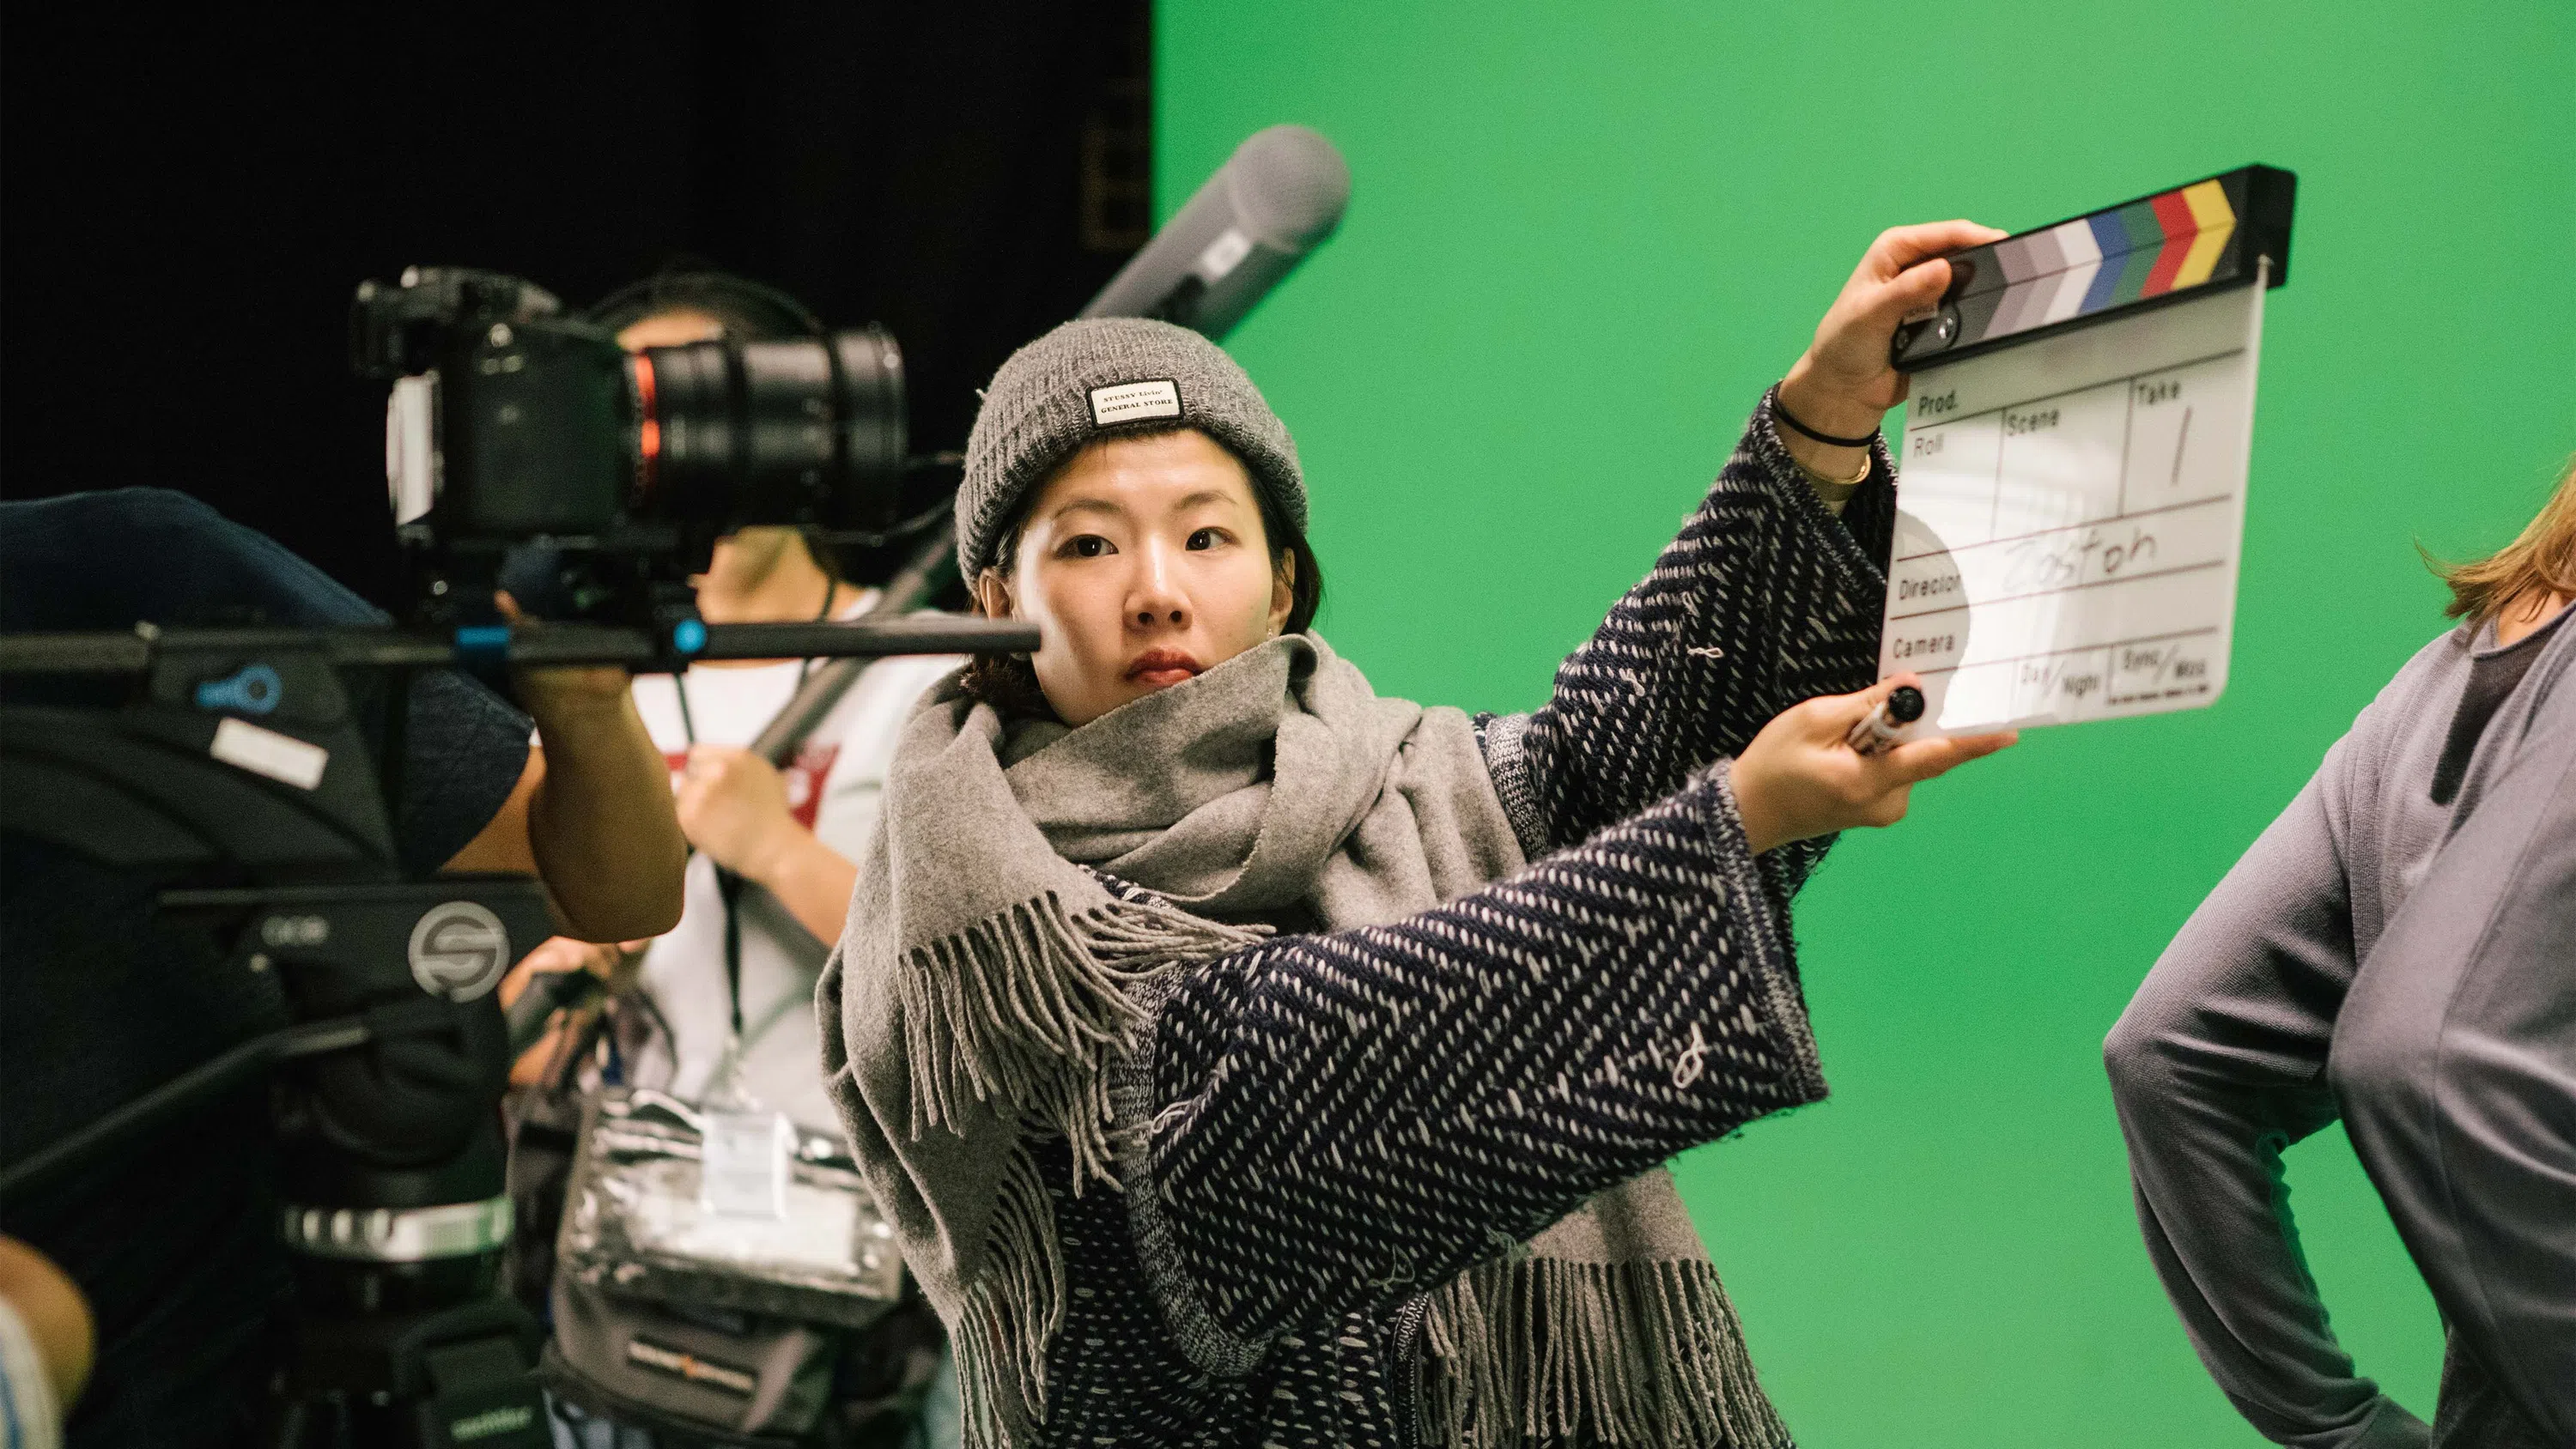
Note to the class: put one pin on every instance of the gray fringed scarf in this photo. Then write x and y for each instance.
(987, 981)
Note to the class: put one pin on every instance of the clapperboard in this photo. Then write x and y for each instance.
(2071, 491)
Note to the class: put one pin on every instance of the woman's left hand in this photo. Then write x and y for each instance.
(1843, 385)
(733, 808)
(1799, 778)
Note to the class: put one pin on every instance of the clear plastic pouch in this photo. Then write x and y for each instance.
(638, 1221)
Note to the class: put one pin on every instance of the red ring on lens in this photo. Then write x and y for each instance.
(648, 428)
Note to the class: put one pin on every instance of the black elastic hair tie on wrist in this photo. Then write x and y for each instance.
(1781, 411)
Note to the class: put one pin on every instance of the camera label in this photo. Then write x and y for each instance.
(1135, 402)
(282, 758)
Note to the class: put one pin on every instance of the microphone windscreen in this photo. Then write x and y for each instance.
(1275, 200)
(1289, 186)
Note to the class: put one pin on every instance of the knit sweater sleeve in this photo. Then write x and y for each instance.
(1764, 599)
(1331, 1122)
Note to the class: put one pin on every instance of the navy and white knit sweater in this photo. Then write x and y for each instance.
(1333, 1125)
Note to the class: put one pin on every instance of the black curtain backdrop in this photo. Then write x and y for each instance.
(189, 195)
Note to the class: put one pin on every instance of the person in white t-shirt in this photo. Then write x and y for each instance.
(781, 841)
(790, 834)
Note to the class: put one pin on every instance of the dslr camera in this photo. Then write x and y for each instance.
(513, 422)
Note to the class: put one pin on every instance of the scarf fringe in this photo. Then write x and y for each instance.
(1028, 1006)
(1012, 1314)
(1546, 1350)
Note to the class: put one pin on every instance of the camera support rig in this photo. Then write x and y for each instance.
(243, 760)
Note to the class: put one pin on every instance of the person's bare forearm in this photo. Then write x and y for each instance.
(812, 880)
(56, 1316)
(600, 823)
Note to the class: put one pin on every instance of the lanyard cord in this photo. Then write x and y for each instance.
(729, 885)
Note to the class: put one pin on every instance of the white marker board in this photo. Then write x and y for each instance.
(2069, 518)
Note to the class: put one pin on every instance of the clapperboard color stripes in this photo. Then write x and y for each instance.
(2156, 249)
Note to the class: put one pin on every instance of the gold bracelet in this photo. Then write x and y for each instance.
(1821, 481)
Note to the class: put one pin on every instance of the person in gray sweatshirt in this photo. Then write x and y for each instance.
(2398, 950)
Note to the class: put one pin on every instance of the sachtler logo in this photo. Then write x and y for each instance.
(459, 950)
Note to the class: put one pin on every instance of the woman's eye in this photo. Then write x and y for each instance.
(1089, 545)
(1206, 538)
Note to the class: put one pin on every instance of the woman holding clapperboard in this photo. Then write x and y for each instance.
(2397, 950)
(1230, 1070)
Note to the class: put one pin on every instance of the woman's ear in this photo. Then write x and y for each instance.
(1283, 592)
(993, 595)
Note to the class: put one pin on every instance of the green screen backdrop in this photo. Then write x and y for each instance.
(1583, 239)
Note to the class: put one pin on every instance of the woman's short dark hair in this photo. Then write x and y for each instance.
(1009, 683)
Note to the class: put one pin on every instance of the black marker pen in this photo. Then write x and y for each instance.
(1879, 728)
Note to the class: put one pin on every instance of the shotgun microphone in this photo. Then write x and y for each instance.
(1272, 202)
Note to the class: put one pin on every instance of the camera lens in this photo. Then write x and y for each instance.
(874, 444)
(808, 433)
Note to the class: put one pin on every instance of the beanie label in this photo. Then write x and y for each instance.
(1135, 402)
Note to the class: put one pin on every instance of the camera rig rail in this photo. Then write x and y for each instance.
(243, 752)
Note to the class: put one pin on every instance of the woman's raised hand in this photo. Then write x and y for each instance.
(1843, 384)
(1799, 779)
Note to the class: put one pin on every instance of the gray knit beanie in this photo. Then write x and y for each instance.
(1100, 377)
